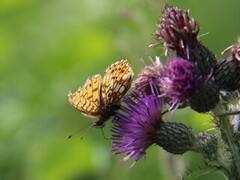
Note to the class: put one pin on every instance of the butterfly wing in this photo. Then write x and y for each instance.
(87, 98)
(115, 83)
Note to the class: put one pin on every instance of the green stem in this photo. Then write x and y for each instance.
(230, 138)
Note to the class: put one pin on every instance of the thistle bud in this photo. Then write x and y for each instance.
(206, 99)
(207, 145)
(175, 137)
(227, 73)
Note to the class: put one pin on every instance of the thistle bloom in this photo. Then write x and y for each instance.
(176, 28)
(139, 124)
(180, 82)
(149, 75)
(178, 31)
(136, 124)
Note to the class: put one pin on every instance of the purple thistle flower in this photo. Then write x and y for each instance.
(178, 31)
(180, 82)
(176, 28)
(148, 76)
(136, 124)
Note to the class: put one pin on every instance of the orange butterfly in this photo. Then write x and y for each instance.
(100, 96)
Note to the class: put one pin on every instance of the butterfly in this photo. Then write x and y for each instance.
(100, 96)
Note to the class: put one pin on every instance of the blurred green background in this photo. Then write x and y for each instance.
(48, 47)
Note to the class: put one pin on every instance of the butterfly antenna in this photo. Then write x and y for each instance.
(71, 135)
(84, 134)
(104, 135)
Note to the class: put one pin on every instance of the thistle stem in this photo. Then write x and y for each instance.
(230, 139)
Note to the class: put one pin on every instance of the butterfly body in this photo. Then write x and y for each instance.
(99, 97)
